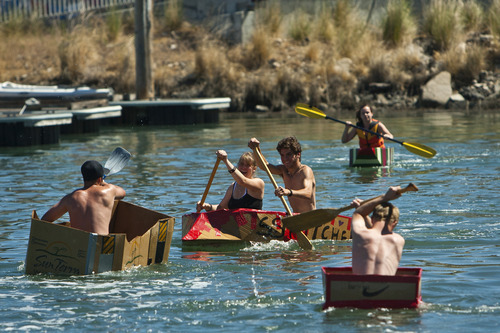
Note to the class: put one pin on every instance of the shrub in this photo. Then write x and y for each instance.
(114, 24)
(442, 23)
(398, 25)
(494, 18)
(471, 16)
(269, 16)
(464, 64)
(258, 50)
(324, 27)
(300, 27)
(173, 15)
(349, 28)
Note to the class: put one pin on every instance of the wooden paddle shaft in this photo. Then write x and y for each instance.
(214, 170)
(302, 239)
(318, 217)
(410, 187)
(266, 168)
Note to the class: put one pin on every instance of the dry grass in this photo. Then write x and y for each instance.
(350, 29)
(442, 23)
(494, 18)
(464, 64)
(258, 51)
(327, 59)
(300, 27)
(325, 29)
(472, 16)
(173, 15)
(398, 26)
(269, 17)
(78, 56)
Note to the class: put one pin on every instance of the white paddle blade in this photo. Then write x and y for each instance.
(117, 161)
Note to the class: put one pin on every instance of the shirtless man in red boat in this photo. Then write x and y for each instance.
(376, 249)
(89, 207)
(300, 185)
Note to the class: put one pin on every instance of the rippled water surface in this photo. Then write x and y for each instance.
(451, 228)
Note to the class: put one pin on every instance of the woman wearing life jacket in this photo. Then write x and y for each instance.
(366, 139)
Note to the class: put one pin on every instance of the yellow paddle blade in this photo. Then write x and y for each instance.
(419, 149)
(309, 111)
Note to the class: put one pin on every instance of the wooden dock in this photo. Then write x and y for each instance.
(37, 125)
(172, 111)
(32, 129)
(91, 120)
(46, 126)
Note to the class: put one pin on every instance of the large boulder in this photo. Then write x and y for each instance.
(437, 91)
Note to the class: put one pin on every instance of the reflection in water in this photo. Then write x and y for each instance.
(440, 118)
(450, 226)
(365, 175)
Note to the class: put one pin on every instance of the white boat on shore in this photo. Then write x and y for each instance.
(12, 91)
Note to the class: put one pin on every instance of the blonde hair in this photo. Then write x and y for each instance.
(247, 158)
(386, 212)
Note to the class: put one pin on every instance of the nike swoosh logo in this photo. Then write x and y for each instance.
(367, 293)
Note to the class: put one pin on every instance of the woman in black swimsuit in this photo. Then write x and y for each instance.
(246, 191)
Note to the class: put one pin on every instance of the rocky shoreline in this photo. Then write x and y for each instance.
(438, 93)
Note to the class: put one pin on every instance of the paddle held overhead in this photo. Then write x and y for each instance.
(317, 217)
(315, 113)
(116, 161)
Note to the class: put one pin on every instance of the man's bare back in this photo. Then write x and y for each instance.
(376, 250)
(89, 207)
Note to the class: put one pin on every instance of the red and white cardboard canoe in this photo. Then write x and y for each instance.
(250, 225)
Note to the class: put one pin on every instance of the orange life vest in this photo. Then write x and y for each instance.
(368, 140)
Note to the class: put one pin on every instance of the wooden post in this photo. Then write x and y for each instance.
(144, 85)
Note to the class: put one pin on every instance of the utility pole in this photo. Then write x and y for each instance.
(144, 85)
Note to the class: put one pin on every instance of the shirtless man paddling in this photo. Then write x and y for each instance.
(376, 249)
(300, 185)
(89, 207)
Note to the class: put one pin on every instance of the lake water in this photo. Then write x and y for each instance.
(451, 227)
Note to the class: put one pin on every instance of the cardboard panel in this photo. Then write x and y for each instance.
(135, 252)
(371, 157)
(344, 289)
(254, 225)
(166, 229)
(338, 229)
(133, 220)
(233, 225)
(153, 242)
(55, 248)
(58, 249)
